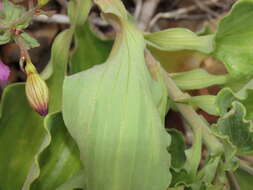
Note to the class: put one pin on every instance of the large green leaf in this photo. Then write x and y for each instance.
(21, 137)
(60, 160)
(180, 39)
(112, 114)
(90, 50)
(234, 39)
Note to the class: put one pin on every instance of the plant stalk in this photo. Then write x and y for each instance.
(195, 120)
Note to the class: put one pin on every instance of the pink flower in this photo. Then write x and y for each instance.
(4, 73)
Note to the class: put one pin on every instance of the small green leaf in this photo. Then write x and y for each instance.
(29, 41)
(180, 39)
(5, 38)
(234, 39)
(233, 128)
(198, 78)
(206, 103)
(11, 13)
(90, 50)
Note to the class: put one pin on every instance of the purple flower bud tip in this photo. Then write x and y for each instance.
(43, 112)
(4, 73)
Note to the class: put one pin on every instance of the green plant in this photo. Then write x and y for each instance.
(104, 128)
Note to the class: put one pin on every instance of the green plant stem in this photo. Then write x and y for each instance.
(195, 121)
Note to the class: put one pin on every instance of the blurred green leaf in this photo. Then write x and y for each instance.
(21, 137)
(107, 143)
(5, 37)
(198, 78)
(233, 128)
(12, 12)
(90, 50)
(234, 39)
(180, 39)
(29, 41)
(60, 160)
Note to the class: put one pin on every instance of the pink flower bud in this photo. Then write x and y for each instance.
(4, 73)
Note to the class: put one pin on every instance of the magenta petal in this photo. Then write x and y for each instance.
(4, 73)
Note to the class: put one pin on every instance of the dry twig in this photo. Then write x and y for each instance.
(178, 13)
(233, 182)
(138, 8)
(148, 10)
